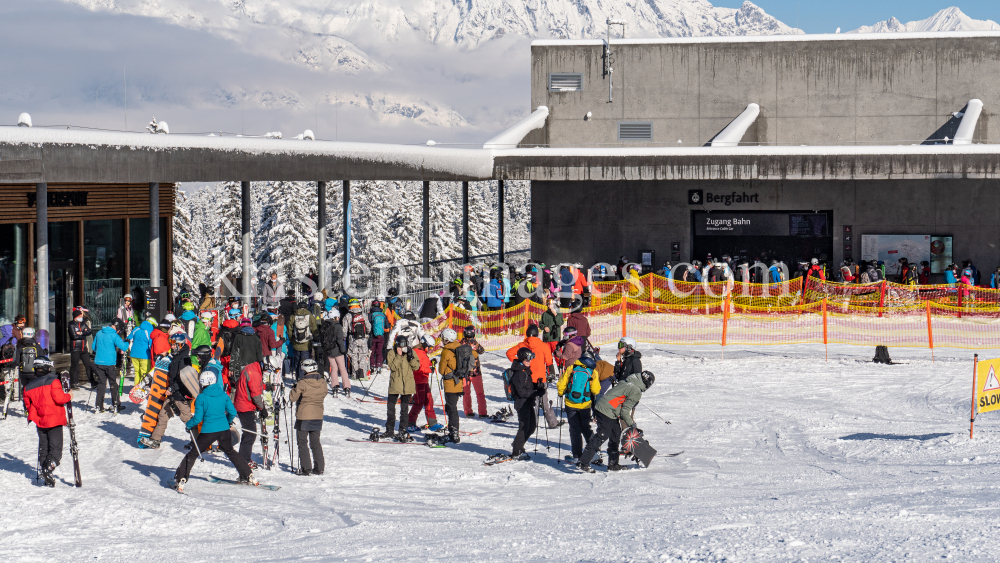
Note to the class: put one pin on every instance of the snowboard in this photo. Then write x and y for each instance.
(156, 398)
(634, 444)
(214, 479)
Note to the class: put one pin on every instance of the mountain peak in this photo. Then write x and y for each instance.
(948, 19)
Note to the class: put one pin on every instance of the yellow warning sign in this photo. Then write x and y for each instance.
(987, 386)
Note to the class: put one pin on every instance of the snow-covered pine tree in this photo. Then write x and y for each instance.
(227, 250)
(482, 219)
(187, 266)
(446, 226)
(287, 240)
(517, 220)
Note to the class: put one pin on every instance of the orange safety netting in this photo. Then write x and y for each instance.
(656, 310)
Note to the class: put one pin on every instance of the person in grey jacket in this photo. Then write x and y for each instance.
(618, 403)
(308, 396)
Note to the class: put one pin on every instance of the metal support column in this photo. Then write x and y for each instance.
(465, 222)
(500, 206)
(245, 220)
(321, 215)
(427, 229)
(42, 254)
(154, 234)
(347, 201)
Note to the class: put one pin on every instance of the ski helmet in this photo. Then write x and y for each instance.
(170, 317)
(588, 361)
(309, 366)
(127, 296)
(449, 335)
(428, 341)
(164, 325)
(207, 378)
(532, 331)
(178, 337)
(469, 332)
(648, 379)
(569, 331)
(814, 261)
(525, 355)
(401, 342)
(234, 313)
(627, 343)
(44, 364)
(204, 354)
(27, 332)
(333, 314)
(393, 292)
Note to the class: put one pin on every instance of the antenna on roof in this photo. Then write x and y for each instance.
(608, 58)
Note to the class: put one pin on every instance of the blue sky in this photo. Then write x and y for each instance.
(825, 16)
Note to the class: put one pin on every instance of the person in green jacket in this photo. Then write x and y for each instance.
(551, 324)
(202, 336)
(402, 362)
(617, 404)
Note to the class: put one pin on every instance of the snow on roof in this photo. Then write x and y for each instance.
(770, 38)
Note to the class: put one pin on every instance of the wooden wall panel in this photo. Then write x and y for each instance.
(104, 201)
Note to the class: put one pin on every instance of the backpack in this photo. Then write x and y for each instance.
(358, 327)
(226, 337)
(328, 339)
(464, 362)
(300, 329)
(7, 350)
(28, 355)
(911, 276)
(508, 384)
(578, 390)
(378, 323)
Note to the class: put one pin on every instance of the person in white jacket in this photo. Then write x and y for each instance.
(409, 327)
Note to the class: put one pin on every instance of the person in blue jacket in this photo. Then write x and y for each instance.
(141, 339)
(215, 412)
(106, 346)
(493, 295)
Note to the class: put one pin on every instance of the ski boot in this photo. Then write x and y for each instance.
(599, 461)
(335, 391)
(147, 442)
(436, 427)
(179, 485)
(388, 435)
(375, 435)
(403, 436)
(523, 457)
(251, 480)
(616, 467)
(585, 468)
(412, 429)
(46, 473)
(454, 436)
(303, 472)
(346, 392)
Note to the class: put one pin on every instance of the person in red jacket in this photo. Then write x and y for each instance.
(160, 340)
(45, 402)
(249, 401)
(423, 398)
(539, 367)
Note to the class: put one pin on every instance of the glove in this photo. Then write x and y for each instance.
(263, 413)
(409, 354)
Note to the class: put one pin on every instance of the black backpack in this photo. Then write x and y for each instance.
(7, 350)
(226, 337)
(328, 339)
(28, 356)
(464, 362)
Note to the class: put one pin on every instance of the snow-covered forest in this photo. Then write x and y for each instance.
(386, 227)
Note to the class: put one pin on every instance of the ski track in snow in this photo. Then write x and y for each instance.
(787, 458)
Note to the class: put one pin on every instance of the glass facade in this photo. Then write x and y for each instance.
(13, 271)
(103, 268)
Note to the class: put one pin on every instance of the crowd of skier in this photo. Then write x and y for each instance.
(214, 364)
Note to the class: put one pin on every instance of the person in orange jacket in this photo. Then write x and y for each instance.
(539, 367)
(160, 341)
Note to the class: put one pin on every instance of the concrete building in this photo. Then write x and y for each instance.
(813, 141)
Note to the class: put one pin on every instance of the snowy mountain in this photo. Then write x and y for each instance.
(949, 19)
(367, 44)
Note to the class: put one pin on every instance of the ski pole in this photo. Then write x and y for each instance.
(370, 385)
(654, 413)
(194, 444)
(547, 447)
(537, 413)
(562, 411)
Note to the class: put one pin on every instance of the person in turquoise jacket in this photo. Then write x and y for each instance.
(106, 346)
(215, 412)
(142, 342)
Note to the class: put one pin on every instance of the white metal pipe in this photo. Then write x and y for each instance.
(968, 125)
(733, 133)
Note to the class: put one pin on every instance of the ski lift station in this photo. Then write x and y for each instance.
(791, 147)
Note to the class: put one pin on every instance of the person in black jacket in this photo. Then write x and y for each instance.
(78, 333)
(335, 348)
(526, 392)
(629, 359)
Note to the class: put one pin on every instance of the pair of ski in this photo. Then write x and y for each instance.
(74, 450)
(213, 479)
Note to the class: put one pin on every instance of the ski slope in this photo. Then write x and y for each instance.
(786, 458)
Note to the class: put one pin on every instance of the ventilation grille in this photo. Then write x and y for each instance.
(635, 131)
(565, 82)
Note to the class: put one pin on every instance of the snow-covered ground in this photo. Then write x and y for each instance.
(786, 458)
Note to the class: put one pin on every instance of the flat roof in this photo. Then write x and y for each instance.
(771, 38)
